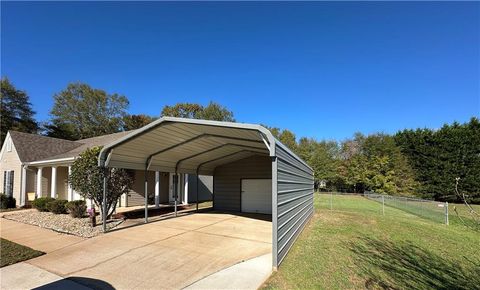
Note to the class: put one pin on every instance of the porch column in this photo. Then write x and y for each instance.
(70, 189)
(185, 188)
(157, 189)
(39, 181)
(53, 191)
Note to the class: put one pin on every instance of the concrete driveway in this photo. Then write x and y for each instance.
(168, 254)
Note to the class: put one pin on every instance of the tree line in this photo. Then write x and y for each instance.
(421, 162)
(80, 111)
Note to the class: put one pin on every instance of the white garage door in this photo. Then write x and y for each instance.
(257, 195)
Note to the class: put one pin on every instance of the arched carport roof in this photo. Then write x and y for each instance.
(199, 146)
(187, 145)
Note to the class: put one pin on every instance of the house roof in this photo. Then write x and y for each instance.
(89, 143)
(32, 147)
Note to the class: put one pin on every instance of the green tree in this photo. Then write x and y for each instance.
(132, 122)
(213, 111)
(285, 136)
(324, 161)
(15, 110)
(439, 157)
(375, 163)
(59, 130)
(182, 110)
(81, 111)
(86, 178)
(288, 138)
(216, 112)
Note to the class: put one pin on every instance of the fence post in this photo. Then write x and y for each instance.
(331, 200)
(383, 204)
(446, 213)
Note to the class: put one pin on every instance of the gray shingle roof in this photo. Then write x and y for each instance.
(32, 147)
(91, 142)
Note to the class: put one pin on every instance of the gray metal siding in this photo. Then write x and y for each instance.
(205, 188)
(228, 178)
(294, 200)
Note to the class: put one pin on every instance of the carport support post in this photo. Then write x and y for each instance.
(146, 196)
(175, 189)
(104, 201)
(198, 179)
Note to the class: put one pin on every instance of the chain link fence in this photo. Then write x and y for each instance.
(433, 210)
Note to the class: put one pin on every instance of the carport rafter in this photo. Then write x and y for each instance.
(213, 149)
(223, 157)
(201, 136)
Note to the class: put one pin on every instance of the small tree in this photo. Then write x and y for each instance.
(86, 178)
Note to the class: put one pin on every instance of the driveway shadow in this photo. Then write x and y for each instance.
(77, 283)
(403, 265)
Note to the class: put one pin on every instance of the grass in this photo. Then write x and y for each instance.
(354, 246)
(11, 253)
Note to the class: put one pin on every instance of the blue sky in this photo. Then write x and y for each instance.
(323, 70)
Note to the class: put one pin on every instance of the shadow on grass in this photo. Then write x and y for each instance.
(403, 265)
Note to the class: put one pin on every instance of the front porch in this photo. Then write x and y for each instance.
(51, 180)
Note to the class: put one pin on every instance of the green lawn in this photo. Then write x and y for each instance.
(11, 253)
(355, 247)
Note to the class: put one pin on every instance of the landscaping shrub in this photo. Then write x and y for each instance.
(6, 201)
(57, 206)
(77, 208)
(41, 203)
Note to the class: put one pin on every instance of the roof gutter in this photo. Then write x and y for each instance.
(51, 161)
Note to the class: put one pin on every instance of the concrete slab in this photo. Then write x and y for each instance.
(168, 254)
(250, 274)
(193, 221)
(242, 227)
(26, 276)
(37, 238)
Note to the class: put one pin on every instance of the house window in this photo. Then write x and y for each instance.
(9, 145)
(8, 182)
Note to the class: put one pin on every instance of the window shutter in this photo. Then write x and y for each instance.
(8, 182)
(10, 187)
(5, 182)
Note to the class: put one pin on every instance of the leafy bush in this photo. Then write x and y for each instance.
(86, 178)
(6, 201)
(57, 206)
(41, 203)
(77, 208)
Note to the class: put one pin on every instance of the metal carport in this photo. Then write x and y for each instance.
(199, 146)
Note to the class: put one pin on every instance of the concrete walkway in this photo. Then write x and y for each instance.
(37, 238)
(168, 254)
(26, 276)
